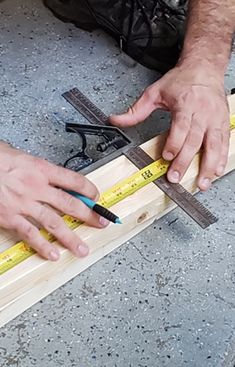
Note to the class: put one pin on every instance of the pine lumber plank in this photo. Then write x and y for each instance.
(35, 278)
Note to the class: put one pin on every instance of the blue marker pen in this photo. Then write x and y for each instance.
(107, 214)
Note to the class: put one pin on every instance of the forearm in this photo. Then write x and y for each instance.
(209, 33)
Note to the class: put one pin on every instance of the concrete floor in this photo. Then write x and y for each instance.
(165, 298)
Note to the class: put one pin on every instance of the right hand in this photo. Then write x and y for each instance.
(26, 183)
(194, 94)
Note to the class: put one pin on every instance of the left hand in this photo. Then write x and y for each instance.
(196, 98)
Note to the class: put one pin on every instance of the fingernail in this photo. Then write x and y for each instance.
(220, 171)
(54, 255)
(174, 176)
(82, 249)
(168, 156)
(205, 184)
(104, 222)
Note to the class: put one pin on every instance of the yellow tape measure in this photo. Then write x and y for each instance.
(21, 251)
(232, 122)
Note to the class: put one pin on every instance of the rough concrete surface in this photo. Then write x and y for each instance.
(165, 298)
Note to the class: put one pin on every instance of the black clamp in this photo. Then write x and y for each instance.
(113, 142)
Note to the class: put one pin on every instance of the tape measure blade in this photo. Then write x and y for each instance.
(232, 122)
(14, 255)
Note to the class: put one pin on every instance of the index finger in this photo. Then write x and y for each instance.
(70, 180)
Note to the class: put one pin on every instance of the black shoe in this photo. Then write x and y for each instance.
(150, 31)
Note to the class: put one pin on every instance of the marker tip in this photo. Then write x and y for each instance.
(118, 221)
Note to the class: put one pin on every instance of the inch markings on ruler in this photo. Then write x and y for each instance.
(175, 192)
(196, 210)
(83, 105)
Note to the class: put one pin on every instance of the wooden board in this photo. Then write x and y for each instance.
(35, 278)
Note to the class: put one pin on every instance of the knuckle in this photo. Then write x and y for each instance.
(54, 223)
(67, 240)
(50, 220)
(209, 168)
(76, 180)
(40, 164)
(86, 186)
(28, 231)
(196, 142)
(197, 132)
(172, 145)
(180, 165)
(43, 247)
(184, 158)
(80, 181)
(89, 217)
(195, 146)
(182, 121)
(9, 222)
(214, 140)
(43, 215)
(59, 171)
(68, 203)
(185, 97)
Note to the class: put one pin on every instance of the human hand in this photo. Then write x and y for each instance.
(26, 183)
(195, 96)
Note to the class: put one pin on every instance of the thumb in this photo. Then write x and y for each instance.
(140, 110)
